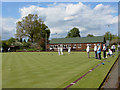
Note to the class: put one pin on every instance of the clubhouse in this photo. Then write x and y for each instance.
(76, 44)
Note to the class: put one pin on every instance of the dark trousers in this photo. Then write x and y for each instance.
(113, 50)
(99, 55)
(96, 54)
(104, 53)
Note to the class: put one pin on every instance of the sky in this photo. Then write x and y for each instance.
(60, 17)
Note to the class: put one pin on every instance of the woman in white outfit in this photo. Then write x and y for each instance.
(88, 50)
(69, 50)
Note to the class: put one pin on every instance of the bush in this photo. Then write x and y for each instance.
(26, 44)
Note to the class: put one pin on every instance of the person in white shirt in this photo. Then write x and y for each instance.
(95, 50)
(69, 49)
(104, 51)
(1, 49)
(109, 52)
(88, 50)
(118, 47)
(8, 49)
(99, 52)
(113, 47)
(59, 49)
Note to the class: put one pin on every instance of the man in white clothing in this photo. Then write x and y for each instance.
(88, 50)
(69, 49)
(104, 51)
(59, 49)
(95, 50)
(113, 48)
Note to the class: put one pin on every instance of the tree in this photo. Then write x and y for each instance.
(32, 27)
(74, 32)
(108, 36)
(20, 39)
(90, 35)
(11, 41)
(24, 40)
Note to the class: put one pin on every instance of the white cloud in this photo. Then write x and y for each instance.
(60, 18)
(8, 27)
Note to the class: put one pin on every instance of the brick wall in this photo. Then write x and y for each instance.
(82, 48)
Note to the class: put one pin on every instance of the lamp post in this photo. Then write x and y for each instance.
(46, 41)
(109, 31)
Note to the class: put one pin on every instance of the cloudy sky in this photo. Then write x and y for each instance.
(89, 17)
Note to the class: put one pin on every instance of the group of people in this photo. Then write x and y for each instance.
(60, 50)
(97, 50)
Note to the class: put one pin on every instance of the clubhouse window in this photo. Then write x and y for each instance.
(51, 46)
(89, 45)
(74, 46)
(79, 45)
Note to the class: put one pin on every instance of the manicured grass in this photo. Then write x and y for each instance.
(48, 70)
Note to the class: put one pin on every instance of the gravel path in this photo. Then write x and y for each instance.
(112, 80)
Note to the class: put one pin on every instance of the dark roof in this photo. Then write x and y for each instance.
(78, 40)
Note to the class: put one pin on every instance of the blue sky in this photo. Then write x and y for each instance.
(70, 15)
(11, 9)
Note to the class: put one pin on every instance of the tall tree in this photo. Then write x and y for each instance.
(108, 36)
(74, 32)
(33, 27)
(90, 35)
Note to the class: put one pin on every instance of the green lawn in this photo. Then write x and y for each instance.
(48, 70)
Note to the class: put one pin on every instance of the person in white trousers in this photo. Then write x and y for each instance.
(61, 50)
(69, 49)
(88, 50)
(95, 50)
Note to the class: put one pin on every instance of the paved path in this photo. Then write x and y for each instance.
(112, 80)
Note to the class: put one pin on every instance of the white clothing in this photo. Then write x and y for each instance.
(95, 48)
(87, 49)
(69, 49)
(110, 52)
(113, 46)
(104, 47)
(58, 49)
(8, 49)
(61, 49)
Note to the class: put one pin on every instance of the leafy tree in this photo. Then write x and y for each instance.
(20, 39)
(74, 32)
(33, 27)
(11, 41)
(28, 40)
(108, 36)
(5, 46)
(90, 35)
(24, 40)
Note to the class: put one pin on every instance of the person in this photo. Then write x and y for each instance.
(104, 51)
(59, 49)
(69, 49)
(118, 47)
(99, 52)
(113, 48)
(1, 49)
(109, 52)
(95, 50)
(8, 49)
(88, 50)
